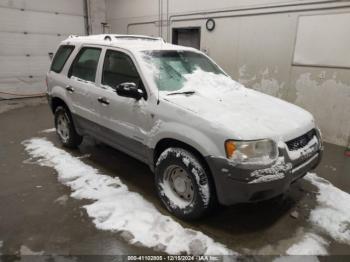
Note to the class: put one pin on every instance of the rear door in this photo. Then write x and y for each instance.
(82, 78)
(56, 77)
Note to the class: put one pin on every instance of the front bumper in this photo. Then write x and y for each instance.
(242, 184)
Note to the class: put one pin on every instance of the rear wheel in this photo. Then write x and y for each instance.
(65, 128)
(183, 184)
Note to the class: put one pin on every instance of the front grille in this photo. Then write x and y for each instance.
(301, 141)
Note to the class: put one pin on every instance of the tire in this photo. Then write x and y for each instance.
(183, 184)
(65, 128)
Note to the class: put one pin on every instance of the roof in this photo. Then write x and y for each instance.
(129, 42)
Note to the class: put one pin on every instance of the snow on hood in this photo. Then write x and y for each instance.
(247, 113)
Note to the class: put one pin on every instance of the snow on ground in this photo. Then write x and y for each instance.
(311, 244)
(296, 259)
(25, 251)
(47, 131)
(115, 208)
(332, 215)
(62, 200)
(304, 242)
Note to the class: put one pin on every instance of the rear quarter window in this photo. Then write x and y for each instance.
(61, 58)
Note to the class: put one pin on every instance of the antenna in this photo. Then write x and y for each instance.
(161, 47)
(158, 99)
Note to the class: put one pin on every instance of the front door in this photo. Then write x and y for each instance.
(125, 120)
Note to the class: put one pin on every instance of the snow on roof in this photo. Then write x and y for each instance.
(129, 42)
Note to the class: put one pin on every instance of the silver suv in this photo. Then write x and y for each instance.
(207, 138)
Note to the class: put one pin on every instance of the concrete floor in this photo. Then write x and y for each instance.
(32, 220)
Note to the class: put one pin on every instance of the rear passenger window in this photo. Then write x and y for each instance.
(85, 64)
(118, 68)
(61, 57)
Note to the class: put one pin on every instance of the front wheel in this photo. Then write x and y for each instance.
(65, 128)
(183, 184)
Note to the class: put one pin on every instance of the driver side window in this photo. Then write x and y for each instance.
(118, 68)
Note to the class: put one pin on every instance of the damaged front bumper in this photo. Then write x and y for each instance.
(242, 184)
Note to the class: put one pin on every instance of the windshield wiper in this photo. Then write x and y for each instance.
(182, 93)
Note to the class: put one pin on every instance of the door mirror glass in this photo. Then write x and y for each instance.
(129, 89)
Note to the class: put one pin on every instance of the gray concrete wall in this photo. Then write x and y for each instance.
(97, 15)
(255, 42)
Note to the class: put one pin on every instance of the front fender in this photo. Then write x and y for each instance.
(185, 134)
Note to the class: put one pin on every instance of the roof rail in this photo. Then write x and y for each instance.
(134, 37)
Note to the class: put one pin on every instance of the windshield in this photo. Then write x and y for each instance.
(171, 69)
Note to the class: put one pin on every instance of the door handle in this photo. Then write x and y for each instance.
(70, 89)
(103, 100)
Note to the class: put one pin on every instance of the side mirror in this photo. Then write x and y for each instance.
(129, 89)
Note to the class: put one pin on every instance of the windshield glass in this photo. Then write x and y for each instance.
(172, 69)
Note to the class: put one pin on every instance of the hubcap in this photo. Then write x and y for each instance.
(180, 182)
(63, 127)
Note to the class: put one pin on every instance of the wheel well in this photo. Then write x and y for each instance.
(56, 102)
(168, 142)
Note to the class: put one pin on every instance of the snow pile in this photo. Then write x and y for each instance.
(208, 83)
(115, 208)
(47, 131)
(333, 213)
(200, 81)
(311, 244)
(276, 172)
(267, 178)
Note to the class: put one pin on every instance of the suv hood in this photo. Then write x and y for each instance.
(245, 113)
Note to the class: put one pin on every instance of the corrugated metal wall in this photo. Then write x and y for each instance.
(29, 31)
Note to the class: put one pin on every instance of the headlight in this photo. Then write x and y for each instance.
(252, 152)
